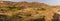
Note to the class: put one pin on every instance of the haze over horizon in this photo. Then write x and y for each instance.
(49, 2)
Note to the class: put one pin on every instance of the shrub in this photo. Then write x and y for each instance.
(4, 18)
(21, 7)
(27, 14)
(16, 17)
(39, 19)
(11, 7)
(41, 9)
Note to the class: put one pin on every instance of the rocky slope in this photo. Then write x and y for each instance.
(27, 11)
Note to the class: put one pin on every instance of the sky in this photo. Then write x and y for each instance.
(49, 2)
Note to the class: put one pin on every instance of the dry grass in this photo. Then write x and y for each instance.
(24, 11)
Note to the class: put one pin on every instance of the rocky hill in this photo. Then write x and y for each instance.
(27, 11)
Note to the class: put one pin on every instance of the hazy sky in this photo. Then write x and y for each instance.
(51, 2)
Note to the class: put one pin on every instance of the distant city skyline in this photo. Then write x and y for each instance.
(50, 2)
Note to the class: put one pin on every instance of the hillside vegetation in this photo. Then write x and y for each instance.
(26, 11)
